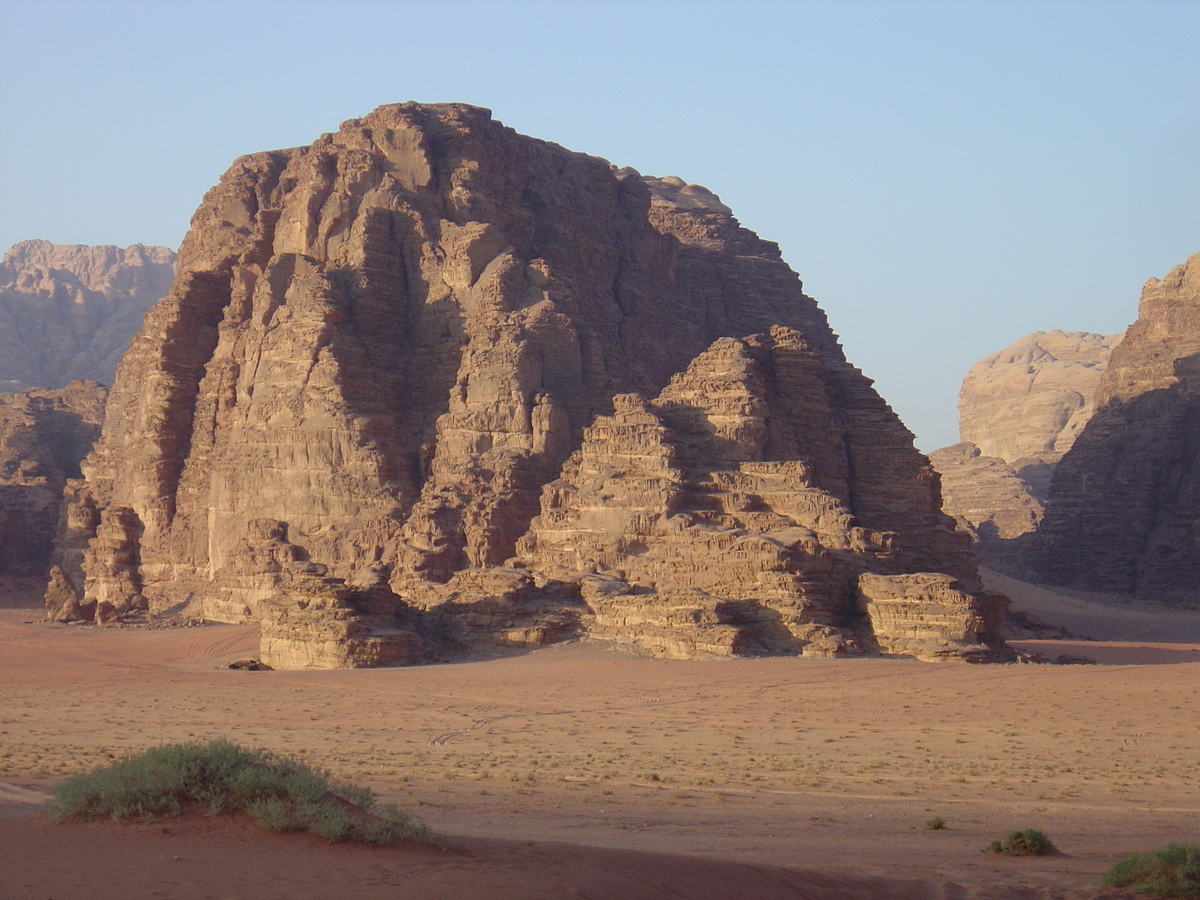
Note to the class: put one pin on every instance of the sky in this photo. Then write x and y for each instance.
(945, 177)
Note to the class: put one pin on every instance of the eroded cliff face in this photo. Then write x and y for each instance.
(1020, 410)
(988, 497)
(68, 311)
(1122, 509)
(388, 356)
(43, 436)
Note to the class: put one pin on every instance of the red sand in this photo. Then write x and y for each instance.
(228, 858)
(578, 772)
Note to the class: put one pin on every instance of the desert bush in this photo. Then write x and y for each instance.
(280, 793)
(937, 823)
(1173, 871)
(1027, 842)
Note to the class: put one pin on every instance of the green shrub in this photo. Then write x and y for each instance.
(937, 823)
(280, 793)
(1173, 871)
(1028, 842)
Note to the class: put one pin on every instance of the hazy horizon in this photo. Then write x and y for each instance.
(944, 177)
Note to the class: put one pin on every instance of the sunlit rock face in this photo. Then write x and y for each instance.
(1034, 396)
(429, 375)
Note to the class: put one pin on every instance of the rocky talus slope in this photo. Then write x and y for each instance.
(68, 311)
(1020, 410)
(428, 383)
(1122, 509)
(44, 434)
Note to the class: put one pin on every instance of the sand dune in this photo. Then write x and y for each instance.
(560, 769)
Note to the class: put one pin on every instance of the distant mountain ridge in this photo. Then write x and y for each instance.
(68, 311)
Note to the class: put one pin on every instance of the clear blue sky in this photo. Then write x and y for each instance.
(945, 176)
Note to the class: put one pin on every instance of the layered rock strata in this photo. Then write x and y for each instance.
(1122, 509)
(44, 434)
(68, 311)
(407, 342)
(717, 518)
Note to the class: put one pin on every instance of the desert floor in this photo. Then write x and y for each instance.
(581, 771)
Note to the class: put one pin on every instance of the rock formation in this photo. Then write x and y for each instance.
(428, 382)
(1033, 397)
(43, 436)
(69, 311)
(1122, 509)
(1020, 410)
(717, 518)
(988, 497)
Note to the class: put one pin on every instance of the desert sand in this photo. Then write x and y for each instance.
(578, 770)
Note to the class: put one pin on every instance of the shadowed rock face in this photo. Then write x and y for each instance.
(1122, 509)
(68, 311)
(43, 436)
(387, 356)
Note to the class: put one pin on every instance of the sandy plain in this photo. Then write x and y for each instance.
(581, 771)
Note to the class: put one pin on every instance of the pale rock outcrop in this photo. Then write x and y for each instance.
(310, 619)
(927, 615)
(1122, 509)
(1034, 396)
(316, 623)
(403, 342)
(68, 311)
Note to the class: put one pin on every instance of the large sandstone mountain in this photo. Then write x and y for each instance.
(1122, 513)
(1020, 410)
(44, 434)
(428, 383)
(68, 311)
